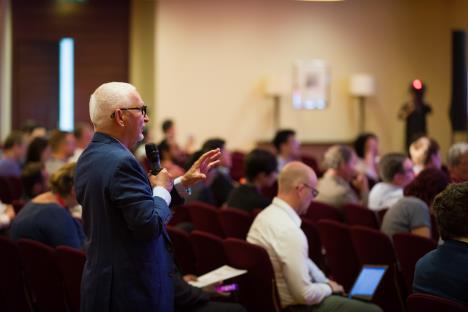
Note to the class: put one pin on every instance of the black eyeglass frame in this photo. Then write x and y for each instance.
(143, 109)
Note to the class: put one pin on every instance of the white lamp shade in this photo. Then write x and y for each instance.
(362, 85)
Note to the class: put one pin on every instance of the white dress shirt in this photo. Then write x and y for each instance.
(278, 229)
(384, 195)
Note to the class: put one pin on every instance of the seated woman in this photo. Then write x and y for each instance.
(366, 147)
(425, 153)
(46, 217)
(411, 214)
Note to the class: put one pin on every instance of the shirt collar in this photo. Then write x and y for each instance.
(288, 209)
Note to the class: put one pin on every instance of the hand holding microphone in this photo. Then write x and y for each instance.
(159, 176)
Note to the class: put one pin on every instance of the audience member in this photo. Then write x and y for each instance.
(457, 162)
(287, 147)
(396, 172)
(219, 183)
(46, 217)
(179, 154)
(336, 186)
(62, 146)
(33, 130)
(425, 153)
(302, 286)
(366, 147)
(7, 213)
(83, 134)
(38, 150)
(34, 180)
(14, 150)
(444, 272)
(167, 161)
(411, 214)
(260, 171)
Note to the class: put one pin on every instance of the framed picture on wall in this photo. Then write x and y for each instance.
(311, 84)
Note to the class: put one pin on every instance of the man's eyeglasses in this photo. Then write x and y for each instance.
(314, 191)
(142, 109)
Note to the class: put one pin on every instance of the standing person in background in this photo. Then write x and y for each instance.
(287, 147)
(366, 147)
(179, 154)
(129, 266)
(14, 149)
(414, 113)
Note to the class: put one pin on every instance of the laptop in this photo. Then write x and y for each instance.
(367, 282)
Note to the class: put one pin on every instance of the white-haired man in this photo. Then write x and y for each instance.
(457, 162)
(128, 265)
(302, 286)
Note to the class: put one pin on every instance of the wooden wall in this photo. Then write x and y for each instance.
(101, 32)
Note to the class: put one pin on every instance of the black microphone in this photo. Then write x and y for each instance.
(152, 154)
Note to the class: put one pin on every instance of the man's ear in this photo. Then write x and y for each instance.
(120, 118)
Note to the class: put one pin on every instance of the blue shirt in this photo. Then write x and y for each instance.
(50, 224)
(9, 168)
(444, 272)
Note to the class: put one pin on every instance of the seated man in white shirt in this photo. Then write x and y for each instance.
(301, 284)
(396, 172)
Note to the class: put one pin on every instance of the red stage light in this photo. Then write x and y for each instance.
(417, 84)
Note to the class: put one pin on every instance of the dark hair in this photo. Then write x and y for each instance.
(427, 185)
(163, 148)
(14, 138)
(61, 182)
(390, 165)
(30, 176)
(360, 143)
(212, 144)
(57, 137)
(258, 161)
(166, 125)
(282, 137)
(35, 149)
(451, 212)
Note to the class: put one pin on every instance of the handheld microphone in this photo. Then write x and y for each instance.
(152, 154)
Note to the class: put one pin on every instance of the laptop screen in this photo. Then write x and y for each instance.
(367, 282)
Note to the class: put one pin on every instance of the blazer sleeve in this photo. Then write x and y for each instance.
(131, 193)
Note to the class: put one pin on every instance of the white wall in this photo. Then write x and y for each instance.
(213, 58)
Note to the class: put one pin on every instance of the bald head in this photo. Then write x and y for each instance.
(293, 174)
(107, 98)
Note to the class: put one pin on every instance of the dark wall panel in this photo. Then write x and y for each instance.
(101, 32)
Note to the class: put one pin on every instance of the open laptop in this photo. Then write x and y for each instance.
(367, 282)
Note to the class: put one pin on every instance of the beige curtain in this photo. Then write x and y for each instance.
(5, 68)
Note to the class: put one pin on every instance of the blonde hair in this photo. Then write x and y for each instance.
(107, 98)
(62, 181)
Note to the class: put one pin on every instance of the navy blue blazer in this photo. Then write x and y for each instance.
(129, 266)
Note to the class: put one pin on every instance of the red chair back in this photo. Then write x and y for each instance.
(318, 211)
(209, 251)
(10, 189)
(70, 263)
(205, 218)
(339, 252)
(360, 215)
(183, 251)
(409, 249)
(257, 288)
(374, 247)
(14, 295)
(313, 239)
(42, 272)
(180, 214)
(235, 223)
(428, 303)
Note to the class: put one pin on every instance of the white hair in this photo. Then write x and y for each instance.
(455, 154)
(107, 98)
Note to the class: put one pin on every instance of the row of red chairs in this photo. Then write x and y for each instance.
(36, 277)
